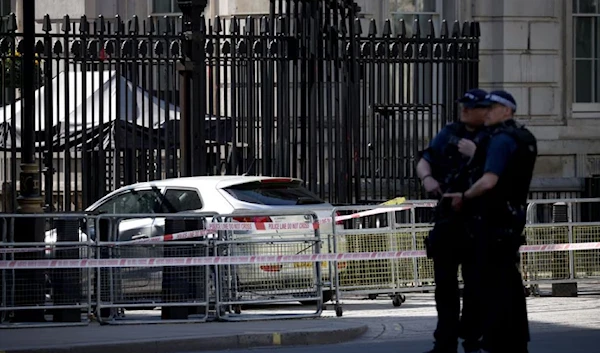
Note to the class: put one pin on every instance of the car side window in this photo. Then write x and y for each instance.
(180, 200)
(134, 201)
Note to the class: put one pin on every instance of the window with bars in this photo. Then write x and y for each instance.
(165, 7)
(586, 53)
(408, 10)
(166, 16)
(5, 7)
(419, 89)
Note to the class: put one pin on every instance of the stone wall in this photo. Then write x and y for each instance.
(525, 49)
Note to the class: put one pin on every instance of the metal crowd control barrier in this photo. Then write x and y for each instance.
(190, 264)
(369, 230)
(419, 225)
(49, 296)
(557, 221)
(181, 292)
(254, 235)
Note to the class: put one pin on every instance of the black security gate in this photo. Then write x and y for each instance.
(309, 91)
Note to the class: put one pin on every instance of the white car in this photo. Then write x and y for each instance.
(219, 195)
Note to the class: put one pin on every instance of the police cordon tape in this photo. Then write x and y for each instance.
(247, 226)
(257, 259)
(228, 226)
(11, 250)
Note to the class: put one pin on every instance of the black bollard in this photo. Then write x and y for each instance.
(66, 283)
(183, 284)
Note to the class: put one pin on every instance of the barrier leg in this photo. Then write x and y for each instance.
(181, 284)
(66, 283)
(199, 274)
(560, 213)
(103, 282)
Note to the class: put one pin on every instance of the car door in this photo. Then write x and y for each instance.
(177, 200)
(145, 201)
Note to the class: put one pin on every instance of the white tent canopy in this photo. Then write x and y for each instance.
(94, 99)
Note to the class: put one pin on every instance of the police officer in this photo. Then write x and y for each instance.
(441, 163)
(501, 195)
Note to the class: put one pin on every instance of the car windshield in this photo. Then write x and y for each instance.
(274, 193)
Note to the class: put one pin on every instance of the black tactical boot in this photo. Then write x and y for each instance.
(437, 348)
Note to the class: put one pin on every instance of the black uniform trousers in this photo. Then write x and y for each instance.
(505, 325)
(453, 248)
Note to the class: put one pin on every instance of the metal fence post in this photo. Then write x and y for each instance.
(193, 82)
(48, 170)
(560, 214)
(198, 142)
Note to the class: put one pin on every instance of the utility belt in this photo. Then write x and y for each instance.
(449, 230)
(510, 218)
(500, 229)
(443, 234)
(448, 225)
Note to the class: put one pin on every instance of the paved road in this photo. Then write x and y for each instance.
(573, 341)
(558, 325)
(416, 318)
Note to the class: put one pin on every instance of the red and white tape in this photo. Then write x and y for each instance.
(242, 226)
(169, 237)
(202, 261)
(366, 213)
(257, 259)
(223, 226)
(257, 226)
(33, 249)
(247, 226)
(559, 247)
(231, 226)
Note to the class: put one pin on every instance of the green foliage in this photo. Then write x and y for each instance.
(11, 67)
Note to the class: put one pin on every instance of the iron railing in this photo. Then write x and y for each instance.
(309, 91)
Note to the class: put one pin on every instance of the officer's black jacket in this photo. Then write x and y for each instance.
(513, 185)
(449, 166)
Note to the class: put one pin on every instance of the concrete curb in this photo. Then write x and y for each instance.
(224, 342)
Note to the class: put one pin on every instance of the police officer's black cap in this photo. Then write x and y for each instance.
(500, 97)
(473, 97)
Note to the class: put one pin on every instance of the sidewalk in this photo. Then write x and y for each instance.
(178, 338)
(363, 321)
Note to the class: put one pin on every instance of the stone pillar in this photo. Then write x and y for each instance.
(19, 14)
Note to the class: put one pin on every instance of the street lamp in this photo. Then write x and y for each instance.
(29, 196)
(191, 9)
(189, 138)
(29, 283)
(173, 276)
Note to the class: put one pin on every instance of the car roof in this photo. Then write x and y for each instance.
(217, 181)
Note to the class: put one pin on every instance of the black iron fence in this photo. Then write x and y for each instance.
(309, 91)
